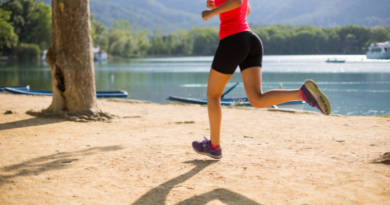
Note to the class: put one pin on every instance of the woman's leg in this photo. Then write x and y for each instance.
(216, 85)
(252, 83)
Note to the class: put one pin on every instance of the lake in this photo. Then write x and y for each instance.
(357, 87)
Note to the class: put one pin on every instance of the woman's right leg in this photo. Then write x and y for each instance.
(309, 91)
(251, 78)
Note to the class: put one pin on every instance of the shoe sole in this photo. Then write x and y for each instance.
(320, 97)
(207, 154)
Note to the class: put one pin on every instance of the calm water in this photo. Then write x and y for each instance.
(356, 87)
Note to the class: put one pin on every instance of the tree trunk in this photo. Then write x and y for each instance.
(71, 60)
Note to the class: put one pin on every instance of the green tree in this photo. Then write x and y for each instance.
(157, 44)
(8, 38)
(379, 34)
(16, 9)
(27, 51)
(353, 38)
(127, 41)
(332, 46)
(22, 16)
(99, 34)
(205, 40)
(177, 43)
(185, 43)
(41, 28)
(31, 21)
(351, 44)
(308, 40)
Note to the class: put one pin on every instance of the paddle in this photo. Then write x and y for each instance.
(230, 89)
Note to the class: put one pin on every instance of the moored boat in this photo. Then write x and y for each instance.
(243, 101)
(379, 50)
(335, 61)
(20, 87)
(99, 94)
(238, 102)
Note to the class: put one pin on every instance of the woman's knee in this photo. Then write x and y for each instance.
(256, 101)
(214, 95)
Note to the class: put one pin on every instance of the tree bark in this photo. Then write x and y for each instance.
(71, 60)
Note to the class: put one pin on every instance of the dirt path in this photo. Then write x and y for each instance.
(146, 158)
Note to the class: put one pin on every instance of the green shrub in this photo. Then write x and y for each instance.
(26, 51)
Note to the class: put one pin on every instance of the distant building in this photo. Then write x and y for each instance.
(44, 55)
(99, 54)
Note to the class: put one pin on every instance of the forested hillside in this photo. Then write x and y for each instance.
(26, 31)
(173, 14)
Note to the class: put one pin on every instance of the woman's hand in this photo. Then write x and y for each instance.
(228, 5)
(210, 4)
(207, 14)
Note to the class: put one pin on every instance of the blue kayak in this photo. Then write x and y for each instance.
(243, 102)
(99, 94)
(239, 102)
(20, 87)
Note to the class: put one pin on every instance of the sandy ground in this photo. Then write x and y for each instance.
(145, 157)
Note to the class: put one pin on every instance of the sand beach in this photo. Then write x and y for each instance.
(145, 156)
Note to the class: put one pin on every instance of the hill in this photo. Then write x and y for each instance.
(173, 14)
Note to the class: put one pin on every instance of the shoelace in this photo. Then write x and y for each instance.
(205, 141)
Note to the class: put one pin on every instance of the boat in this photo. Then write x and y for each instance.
(335, 61)
(43, 57)
(379, 50)
(20, 87)
(239, 102)
(99, 94)
(99, 54)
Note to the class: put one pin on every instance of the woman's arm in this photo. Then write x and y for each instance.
(210, 4)
(227, 6)
(249, 9)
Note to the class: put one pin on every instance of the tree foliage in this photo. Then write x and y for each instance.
(205, 40)
(8, 38)
(27, 51)
(31, 22)
(126, 40)
(348, 39)
(99, 33)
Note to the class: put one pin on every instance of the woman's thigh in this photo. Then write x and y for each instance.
(217, 82)
(251, 78)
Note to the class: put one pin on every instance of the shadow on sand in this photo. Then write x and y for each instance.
(57, 161)
(36, 121)
(384, 159)
(158, 195)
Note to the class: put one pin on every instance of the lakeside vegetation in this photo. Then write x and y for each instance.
(25, 31)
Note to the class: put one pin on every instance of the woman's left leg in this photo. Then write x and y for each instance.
(216, 85)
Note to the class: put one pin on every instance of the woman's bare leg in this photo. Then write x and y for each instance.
(252, 82)
(216, 85)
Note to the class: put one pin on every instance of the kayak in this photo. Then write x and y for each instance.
(99, 94)
(242, 101)
(20, 87)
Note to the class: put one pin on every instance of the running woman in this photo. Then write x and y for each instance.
(239, 46)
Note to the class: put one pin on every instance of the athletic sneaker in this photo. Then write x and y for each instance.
(315, 97)
(204, 148)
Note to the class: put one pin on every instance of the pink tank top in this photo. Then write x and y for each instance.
(233, 21)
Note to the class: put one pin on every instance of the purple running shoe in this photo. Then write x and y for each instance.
(315, 97)
(204, 148)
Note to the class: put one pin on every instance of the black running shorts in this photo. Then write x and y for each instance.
(243, 49)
